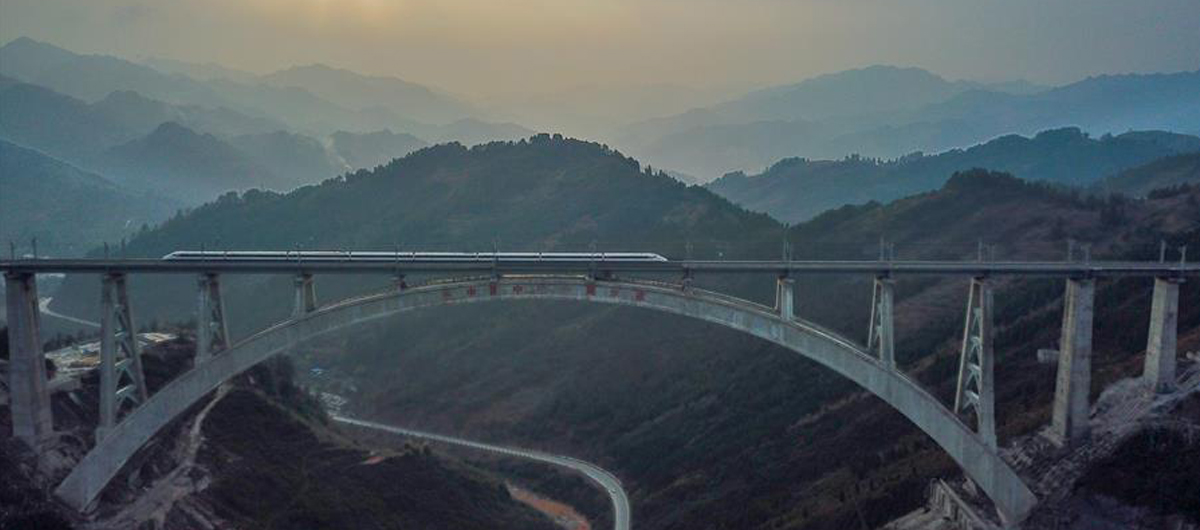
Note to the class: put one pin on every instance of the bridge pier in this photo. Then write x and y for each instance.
(976, 382)
(306, 295)
(29, 394)
(121, 377)
(785, 298)
(880, 335)
(1159, 370)
(212, 333)
(1073, 383)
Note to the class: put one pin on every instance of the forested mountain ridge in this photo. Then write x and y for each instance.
(796, 189)
(1162, 173)
(543, 193)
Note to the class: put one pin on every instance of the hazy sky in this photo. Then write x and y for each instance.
(490, 47)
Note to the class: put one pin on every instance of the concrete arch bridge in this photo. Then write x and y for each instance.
(965, 429)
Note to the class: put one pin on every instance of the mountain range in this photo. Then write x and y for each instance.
(189, 152)
(797, 189)
(890, 112)
(293, 96)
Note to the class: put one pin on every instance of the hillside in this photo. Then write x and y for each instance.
(77, 131)
(176, 161)
(367, 150)
(705, 427)
(143, 114)
(260, 454)
(68, 210)
(59, 125)
(795, 190)
(1162, 173)
(714, 430)
(543, 193)
(296, 159)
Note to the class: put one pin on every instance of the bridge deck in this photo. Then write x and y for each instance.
(351, 265)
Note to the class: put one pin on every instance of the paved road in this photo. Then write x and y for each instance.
(44, 307)
(605, 479)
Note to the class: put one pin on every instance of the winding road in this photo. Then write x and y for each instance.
(605, 479)
(44, 307)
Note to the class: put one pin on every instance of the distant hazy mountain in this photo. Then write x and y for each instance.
(862, 92)
(59, 125)
(367, 150)
(143, 114)
(888, 112)
(595, 111)
(91, 77)
(294, 158)
(797, 189)
(68, 210)
(293, 98)
(176, 161)
(200, 71)
(357, 91)
(866, 91)
(78, 132)
(1161, 173)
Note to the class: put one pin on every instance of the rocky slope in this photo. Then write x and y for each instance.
(258, 454)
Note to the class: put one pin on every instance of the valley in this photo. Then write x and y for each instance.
(578, 265)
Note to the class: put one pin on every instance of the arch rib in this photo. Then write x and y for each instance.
(979, 461)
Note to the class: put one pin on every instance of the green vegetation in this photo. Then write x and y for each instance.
(1163, 173)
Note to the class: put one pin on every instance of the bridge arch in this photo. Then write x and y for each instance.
(980, 462)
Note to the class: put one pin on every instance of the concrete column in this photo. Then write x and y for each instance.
(121, 375)
(29, 397)
(976, 368)
(1159, 372)
(785, 301)
(212, 334)
(306, 295)
(880, 336)
(1073, 384)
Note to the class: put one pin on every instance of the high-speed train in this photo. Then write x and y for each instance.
(419, 257)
